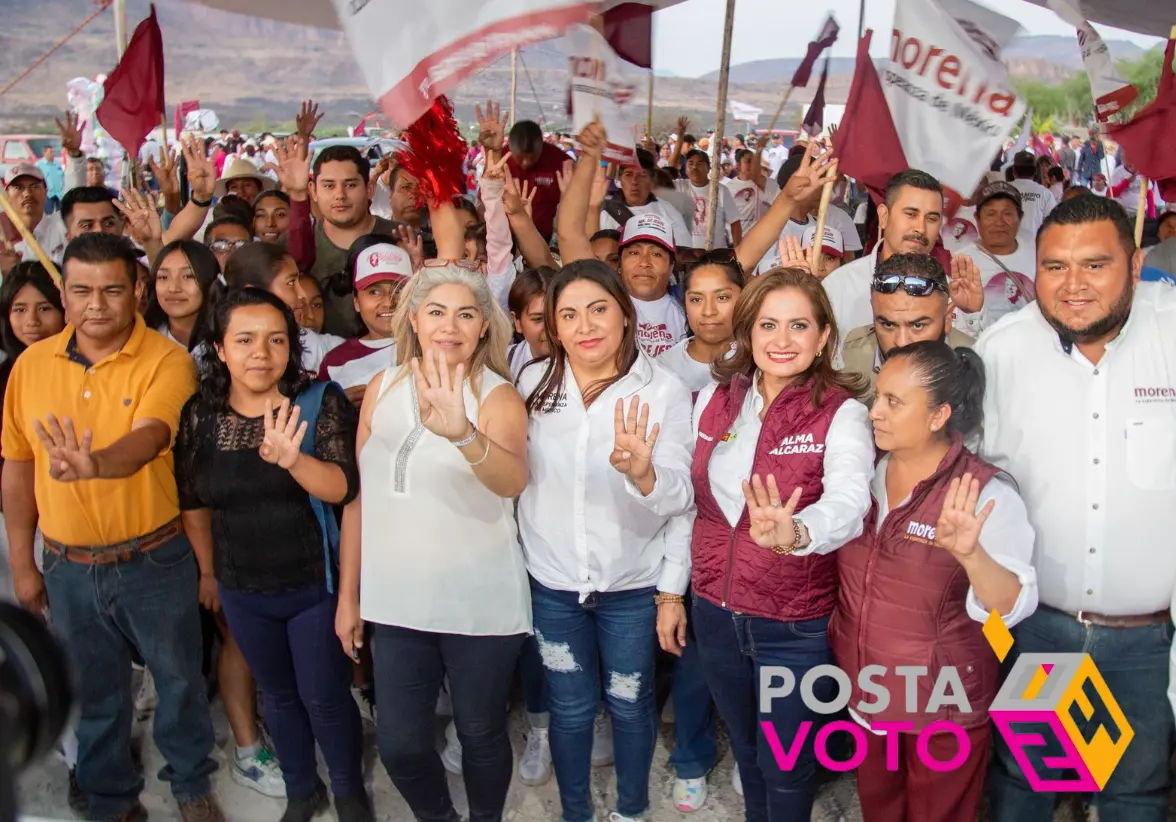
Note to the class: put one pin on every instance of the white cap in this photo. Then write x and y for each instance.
(649, 228)
(834, 245)
(381, 263)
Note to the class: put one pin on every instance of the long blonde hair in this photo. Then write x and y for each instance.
(491, 350)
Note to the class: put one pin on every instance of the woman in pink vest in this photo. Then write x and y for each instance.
(917, 585)
(765, 582)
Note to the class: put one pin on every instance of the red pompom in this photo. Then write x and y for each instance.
(436, 153)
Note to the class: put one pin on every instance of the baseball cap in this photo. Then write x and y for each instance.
(23, 170)
(834, 245)
(381, 263)
(998, 189)
(650, 228)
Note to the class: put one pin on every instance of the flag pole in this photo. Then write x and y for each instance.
(514, 83)
(120, 26)
(780, 109)
(649, 108)
(30, 240)
(861, 18)
(1142, 212)
(819, 233)
(163, 123)
(720, 119)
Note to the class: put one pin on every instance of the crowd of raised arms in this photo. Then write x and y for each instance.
(285, 434)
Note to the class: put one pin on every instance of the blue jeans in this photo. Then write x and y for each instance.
(409, 667)
(289, 641)
(695, 751)
(733, 648)
(1134, 664)
(534, 683)
(102, 613)
(616, 630)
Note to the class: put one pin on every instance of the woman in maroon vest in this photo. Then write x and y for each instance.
(765, 583)
(918, 583)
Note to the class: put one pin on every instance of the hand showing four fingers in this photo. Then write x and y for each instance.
(771, 521)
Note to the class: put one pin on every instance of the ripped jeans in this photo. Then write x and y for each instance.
(614, 632)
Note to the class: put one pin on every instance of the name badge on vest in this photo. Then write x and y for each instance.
(798, 444)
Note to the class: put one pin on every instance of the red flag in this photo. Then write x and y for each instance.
(182, 111)
(629, 30)
(133, 94)
(866, 140)
(826, 38)
(1147, 139)
(814, 121)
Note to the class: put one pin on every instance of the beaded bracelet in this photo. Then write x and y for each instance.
(473, 436)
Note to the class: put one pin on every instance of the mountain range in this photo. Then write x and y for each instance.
(254, 72)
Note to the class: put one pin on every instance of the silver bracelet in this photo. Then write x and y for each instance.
(473, 436)
(484, 456)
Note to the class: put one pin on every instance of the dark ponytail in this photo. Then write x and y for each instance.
(952, 377)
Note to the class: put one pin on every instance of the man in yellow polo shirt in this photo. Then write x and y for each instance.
(89, 420)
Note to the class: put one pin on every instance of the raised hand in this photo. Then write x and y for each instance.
(683, 127)
(599, 186)
(966, 291)
(70, 460)
(409, 239)
(140, 215)
(293, 158)
(771, 522)
(282, 444)
(959, 526)
(440, 398)
(491, 126)
(632, 453)
(814, 172)
(307, 119)
(564, 176)
(592, 141)
(495, 169)
(201, 171)
(527, 198)
(71, 134)
(164, 172)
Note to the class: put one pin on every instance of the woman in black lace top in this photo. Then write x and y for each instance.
(245, 484)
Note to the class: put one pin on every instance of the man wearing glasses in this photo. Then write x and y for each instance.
(910, 300)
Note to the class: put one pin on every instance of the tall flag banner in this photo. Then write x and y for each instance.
(948, 93)
(409, 60)
(1110, 91)
(1022, 143)
(743, 113)
(600, 90)
(814, 121)
(628, 27)
(182, 111)
(1147, 140)
(825, 39)
(866, 141)
(132, 102)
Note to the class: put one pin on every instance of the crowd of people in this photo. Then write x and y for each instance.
(551, 428)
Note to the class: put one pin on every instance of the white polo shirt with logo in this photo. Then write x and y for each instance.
(1092, 447)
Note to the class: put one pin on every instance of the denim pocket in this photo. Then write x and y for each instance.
(171, 554)
(49, 561)
(810, 628)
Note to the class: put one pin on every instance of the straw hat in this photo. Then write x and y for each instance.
(241, 170)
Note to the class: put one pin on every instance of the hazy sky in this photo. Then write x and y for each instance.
(688, 38)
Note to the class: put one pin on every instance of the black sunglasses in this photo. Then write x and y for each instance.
(915, 286)
(717, 256)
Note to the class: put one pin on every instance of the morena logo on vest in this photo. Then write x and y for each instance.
(1050, 702)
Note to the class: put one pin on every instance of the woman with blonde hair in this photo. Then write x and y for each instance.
(442, 452)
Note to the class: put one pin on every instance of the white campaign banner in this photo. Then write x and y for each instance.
(949, 94)
(1110, 91)
(410, 59)
(600, 90)
(743, 113)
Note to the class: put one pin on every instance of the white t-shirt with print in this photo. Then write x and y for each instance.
(961, 230)
(660, 324)
(315, 346)
(1005, 291)
(1036, 202)
(835, 218)
(728, 213)
(750, 201)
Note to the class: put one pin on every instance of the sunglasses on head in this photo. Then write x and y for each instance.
(468, 265)
(717, 256)
(915, 286)
(221, 246)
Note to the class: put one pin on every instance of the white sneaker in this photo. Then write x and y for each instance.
(616, 817)
(451, 756)
(535, 766)
(259, 772)
(689, 794)
(146, 698)
(602, 741)
(736, 782)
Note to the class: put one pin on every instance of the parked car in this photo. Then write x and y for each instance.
(371, 147)
(26, 148)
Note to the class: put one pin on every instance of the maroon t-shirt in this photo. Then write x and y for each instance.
(542, 177)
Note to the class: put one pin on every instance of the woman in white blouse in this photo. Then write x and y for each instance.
(609, 456)
(782, 423)
(947, 542)
(442, 452)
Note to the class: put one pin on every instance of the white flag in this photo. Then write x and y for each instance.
(1110, 91)
(599, 90)
(743, 113)
(1022, 143)
(948, 92)
(411, 57)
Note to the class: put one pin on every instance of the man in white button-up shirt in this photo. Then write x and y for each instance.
(1081, 410)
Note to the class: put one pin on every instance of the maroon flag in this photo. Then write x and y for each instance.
(867, 141)
(1147, 139)
(826, 38)
(814, 121)
(133, 94)
(629, 30)
(182, 111)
